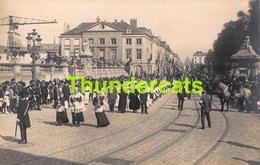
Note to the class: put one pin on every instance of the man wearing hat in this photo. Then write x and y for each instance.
(23, 116)
(205, 103)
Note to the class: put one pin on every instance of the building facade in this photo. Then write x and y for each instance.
(118, 40)
(199, 58)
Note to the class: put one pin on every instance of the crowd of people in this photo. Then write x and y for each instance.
(57, 93)
(19, 97)
(235, 83)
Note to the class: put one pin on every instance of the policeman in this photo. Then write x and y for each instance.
(23, 116)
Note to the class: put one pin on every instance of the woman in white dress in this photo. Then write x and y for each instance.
(77, 100)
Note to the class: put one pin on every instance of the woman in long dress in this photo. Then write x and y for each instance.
(61, 116)
(99, 102)
(76, 100)
(134, 103)
(122, 101)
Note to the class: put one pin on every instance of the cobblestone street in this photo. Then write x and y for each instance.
(164, 136)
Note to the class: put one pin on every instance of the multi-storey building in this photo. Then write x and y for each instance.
(199, 58)
(118, 40)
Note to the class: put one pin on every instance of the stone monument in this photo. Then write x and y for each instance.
(85, 58)
(245, 61)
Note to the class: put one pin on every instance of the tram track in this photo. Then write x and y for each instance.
(172, 141)
(165, 145)
(219, 141)
(103, 137)
(132, 144)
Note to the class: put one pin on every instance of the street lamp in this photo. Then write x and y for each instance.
(33, 46)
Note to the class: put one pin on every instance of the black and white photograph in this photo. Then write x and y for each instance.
(127, 82)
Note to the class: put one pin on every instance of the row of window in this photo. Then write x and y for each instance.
(129, 41)
(113, 53)
(138, 53)
(102, 41)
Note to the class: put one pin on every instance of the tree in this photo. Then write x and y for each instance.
(231, 37)
(229, 40)
(253, 27)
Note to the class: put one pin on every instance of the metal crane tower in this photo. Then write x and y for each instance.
(14, 41)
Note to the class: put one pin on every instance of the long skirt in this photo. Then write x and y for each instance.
(102, 119)
(122, 104)
(61, 117)
(77, 118)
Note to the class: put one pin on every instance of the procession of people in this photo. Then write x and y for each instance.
(17, 97)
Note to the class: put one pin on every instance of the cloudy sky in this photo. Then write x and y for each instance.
(186, 25)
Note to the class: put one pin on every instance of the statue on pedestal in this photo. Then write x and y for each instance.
(85, 48)
(247, 45)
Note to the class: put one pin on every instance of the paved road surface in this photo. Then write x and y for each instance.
(164, 136)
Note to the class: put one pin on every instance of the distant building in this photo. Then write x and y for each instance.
(187, 63)
(24, 57)
(199, 58)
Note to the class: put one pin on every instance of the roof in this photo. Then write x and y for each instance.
(122, 25)
(77, 30)
(49, 48)
(187, 61)
(199, 53)
(244, 53)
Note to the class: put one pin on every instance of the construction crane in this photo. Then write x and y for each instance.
(14, 38)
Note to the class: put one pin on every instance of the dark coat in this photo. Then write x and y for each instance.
(143, 97)
(22, 112)
(44, 90)
(181, 95)
(37, 91)
(112, 96)
(134, 101)
(55, 92)
(205, 103)
(66, 91)
(122, 101)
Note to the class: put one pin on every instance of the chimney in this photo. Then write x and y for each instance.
(98, 19)
(115, 20)
(133, 22)
(68, 27)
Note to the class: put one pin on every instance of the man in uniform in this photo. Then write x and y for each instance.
(205, 103)
(23, 116)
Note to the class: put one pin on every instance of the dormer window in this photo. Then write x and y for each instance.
(128, 30)
(102, 26)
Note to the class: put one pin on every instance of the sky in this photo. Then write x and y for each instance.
(186, 25)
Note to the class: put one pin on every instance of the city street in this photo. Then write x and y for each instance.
(164, 136)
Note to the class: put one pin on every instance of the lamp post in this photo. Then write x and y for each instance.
(33, 46)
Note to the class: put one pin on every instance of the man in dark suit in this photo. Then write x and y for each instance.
(66, 91)
(181, 99)
(23, 116)
(112, 98)
(205, 103)
(143, 102)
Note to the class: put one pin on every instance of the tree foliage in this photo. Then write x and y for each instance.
(231, 37)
